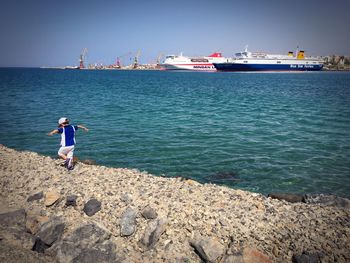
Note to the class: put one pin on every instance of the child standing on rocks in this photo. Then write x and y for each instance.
(67, 132)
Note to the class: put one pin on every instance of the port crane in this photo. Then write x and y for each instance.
(118, 62)
(136, 59)
(82, 58)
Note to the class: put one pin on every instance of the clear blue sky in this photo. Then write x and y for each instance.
(53, 33)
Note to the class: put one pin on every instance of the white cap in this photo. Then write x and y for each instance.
(62, 120)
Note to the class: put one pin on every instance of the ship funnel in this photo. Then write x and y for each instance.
(290, 54)
(215, 55)
(300, 55)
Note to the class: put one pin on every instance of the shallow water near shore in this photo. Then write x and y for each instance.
(261, 132)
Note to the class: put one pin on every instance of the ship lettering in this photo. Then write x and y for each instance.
(202, 67)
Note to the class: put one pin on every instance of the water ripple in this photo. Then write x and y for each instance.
(261, 132)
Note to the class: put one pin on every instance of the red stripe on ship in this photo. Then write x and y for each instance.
(191, 64)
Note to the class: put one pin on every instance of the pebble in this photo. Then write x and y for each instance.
(92, 207)
(128, 222)
(51, 197)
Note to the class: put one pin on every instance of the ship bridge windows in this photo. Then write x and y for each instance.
(170, 56)
(204, 60)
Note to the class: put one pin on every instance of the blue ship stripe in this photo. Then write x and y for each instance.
(267, 67)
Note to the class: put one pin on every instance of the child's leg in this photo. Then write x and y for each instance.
(70, 153)
(66, 152)
(70, 163)
(62, 152)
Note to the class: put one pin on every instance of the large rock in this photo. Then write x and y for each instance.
(49, 233)
(128, 222)
(208, 249)
(292, 198)
(15, 253)
(19, 238)
(307, 257)
(88, 243)
(13, 229)
(92, 207)
(152, 233)
(90, 234)
(14, 219)
(324, 199)
(105, 252)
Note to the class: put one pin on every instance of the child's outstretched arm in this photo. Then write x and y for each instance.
(83, 127)
(52, 132)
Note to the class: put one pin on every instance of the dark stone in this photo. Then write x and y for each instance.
(292, 198)
(40, 246)
(51, 231)
(92, 207)
(71, 200)
(149, 213)
(325, 199)
(88, 243)
(128, 222)
(152, 233)
(36, 196)
(91, 232)
(307, 257)
(102, 253)
(15, 218)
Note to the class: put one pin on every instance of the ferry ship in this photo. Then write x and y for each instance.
(258, 61)
(180, 62)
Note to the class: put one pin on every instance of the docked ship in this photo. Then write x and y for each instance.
(180, 62)
(258, 61)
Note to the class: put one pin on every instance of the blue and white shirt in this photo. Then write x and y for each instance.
(67, 135)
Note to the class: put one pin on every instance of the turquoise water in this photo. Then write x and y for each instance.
(262, 132)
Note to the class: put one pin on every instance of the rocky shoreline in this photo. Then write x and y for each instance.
(100, 214)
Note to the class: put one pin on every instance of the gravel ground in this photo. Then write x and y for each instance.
(235, 219)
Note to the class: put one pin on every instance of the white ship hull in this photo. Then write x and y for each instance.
(197, 67)
(180, 62)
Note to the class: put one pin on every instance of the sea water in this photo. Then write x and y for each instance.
(263, 132)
